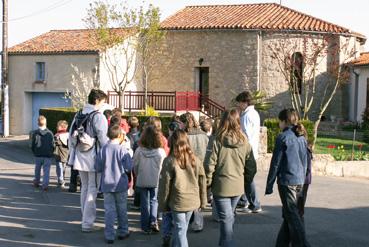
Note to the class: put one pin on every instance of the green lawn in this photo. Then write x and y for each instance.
(324, 142)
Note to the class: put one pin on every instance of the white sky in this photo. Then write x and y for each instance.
(45, 15)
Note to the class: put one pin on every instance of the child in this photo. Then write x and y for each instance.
(108, 114)
(231, 165)
(123, 122)
(205, 125)
(182, 186)
(43, 149)
(289, 165)
(156, 122)
(114, 163)
(148, 160)
(134, 133)
(61, 150)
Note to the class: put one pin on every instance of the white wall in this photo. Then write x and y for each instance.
(360, 101)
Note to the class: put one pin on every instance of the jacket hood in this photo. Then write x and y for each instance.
(43, 131)
(149, 153)
(229, 142)
(88, 108)
(195, 131)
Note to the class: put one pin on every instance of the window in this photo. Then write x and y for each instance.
(40, 71)
(297, 72)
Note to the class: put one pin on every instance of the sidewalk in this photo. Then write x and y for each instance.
(337, 212)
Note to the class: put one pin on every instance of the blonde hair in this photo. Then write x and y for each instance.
(229, 126)
(62, 124)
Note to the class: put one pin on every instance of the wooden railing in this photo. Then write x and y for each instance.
(166, 101)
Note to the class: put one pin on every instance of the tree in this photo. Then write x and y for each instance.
(127, 38)
(314, 68)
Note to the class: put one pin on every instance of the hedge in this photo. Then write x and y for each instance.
(53, 115)
(273, 130)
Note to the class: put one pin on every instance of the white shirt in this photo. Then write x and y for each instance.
(250, 125)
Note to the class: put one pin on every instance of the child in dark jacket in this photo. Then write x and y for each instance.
(114, 162)
(61, 150)
(288, 166)
(43, 149)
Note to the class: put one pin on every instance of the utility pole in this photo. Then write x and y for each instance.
(4, 72)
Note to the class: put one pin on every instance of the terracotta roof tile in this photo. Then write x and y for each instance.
(362, 60)
(270, 16)
(60, 41)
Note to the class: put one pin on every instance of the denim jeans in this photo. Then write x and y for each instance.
(90, 182)
(115, 205)
(149, 207)
(292, 230)
(166, 225)
(60, 169)
(226, 207)
(252, 196)
(45, 163)
(180, 222)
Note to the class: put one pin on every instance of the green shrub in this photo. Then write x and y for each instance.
(53, 115)
(273, 130)
(365, 125)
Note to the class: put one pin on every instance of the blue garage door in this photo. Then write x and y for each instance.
(46, 100)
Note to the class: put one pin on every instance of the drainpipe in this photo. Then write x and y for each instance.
(356, 100)
(258, 60)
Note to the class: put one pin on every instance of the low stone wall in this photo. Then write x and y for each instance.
(325, 165)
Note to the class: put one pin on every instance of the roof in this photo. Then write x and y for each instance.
(269, 16)
(60, 41)
(362, 60)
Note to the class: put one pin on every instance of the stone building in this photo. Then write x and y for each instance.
(221, 50)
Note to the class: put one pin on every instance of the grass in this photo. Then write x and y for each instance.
(323, 142)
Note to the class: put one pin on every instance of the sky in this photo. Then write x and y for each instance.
(29, 18)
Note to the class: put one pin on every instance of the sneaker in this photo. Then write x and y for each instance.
(155, 227)
(123, 237)
(109, 241)
(92, 229)
(61, 185)
(166, 241)
(257, 210)
(244, 210)
(36, 184)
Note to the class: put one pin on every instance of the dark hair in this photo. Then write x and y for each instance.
(205, 125)
(229, 126)
(117, 112)
(155, 121)
(107, 114)
(133, 122)
(188, 119)
(114, 131)
(115, 120)
(151, 138)
(245, 97)
(96, 94)
(180, 149)
(173, 126)
(289, 116)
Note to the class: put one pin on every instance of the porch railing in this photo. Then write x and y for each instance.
(166, 101)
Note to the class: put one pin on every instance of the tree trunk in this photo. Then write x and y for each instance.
(315, 132)
(121, 101)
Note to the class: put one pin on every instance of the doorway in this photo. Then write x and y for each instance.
(202, 84)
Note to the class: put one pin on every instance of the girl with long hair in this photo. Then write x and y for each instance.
(230, 166)
(182, 186)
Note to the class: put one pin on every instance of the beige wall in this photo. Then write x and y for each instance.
(59, 74)
(358, 96)
(230, 56)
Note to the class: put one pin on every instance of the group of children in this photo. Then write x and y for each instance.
(178, 176)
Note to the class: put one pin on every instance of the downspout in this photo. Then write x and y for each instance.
(258, 61)
(356, 96)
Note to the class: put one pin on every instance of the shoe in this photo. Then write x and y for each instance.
(257, 210)
(133, 207)
(72, 188)
(45, 189)
(109, 241)
(92, 229)
(123, 237)
(147, 232)
(244, 210)
(166, 241)
(155, 227)
(36, 184)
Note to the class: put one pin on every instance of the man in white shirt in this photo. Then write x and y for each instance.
(250, 124)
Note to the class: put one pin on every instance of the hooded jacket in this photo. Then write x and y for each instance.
(147, 166)
(42, 143)
(61, 147)
(181, 190)
(198, 142)
(230, 166)
(85, 161)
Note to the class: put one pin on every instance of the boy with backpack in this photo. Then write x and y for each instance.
(87, 135)
(115, 163)
(61, 151)
(42, 146)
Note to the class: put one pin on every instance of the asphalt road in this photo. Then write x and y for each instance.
(337, 212)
